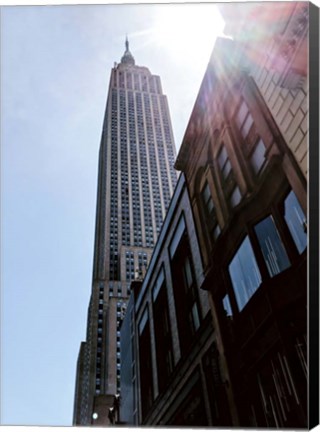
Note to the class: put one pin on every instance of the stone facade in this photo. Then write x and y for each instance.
(244, 181)
(276, 51)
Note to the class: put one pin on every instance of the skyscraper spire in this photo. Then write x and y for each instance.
(127, 57)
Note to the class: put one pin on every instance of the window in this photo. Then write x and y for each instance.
(258, 156)
(244, 273)
(247, 126)
(242, 114)
(210, 212)
(177, 236)
(227, 305)
(207, 199)
(146, 381)
(216, 232)
(273, 251)
(162, 331)
(189, 287)
(188, 278)
(296, 221)
(195, 319)
(235, 197)
(185, 288)
(244, 119)
(224, 162)
(231, 190)
(216, 391)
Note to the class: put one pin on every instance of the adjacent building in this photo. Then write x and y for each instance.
(249, 195)
(136, 179)
(273, 44)
(216, 333)
(171, 372)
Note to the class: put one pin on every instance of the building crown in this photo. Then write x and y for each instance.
(127, 57)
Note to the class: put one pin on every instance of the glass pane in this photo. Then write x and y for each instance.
(158, 285)
(177, 236)
(188, 273)
(226, 169)
(258, 156)
(247, 126)
(235, 197)
(244, 273)
(273, 251)
(241, 115)
(206, 193)
(223, 156)
(216, 232)
(227, 305)
(296, 221)
(195, 316)
(210, 206)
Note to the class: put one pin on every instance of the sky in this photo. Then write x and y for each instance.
(55, 69)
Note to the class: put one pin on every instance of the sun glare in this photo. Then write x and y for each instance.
(188, 28)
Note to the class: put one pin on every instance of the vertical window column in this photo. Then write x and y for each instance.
(162, 329)
(99, 339)
(145, 363)
(184, 287)
(113, 242)
(232, 190)
(210, 212)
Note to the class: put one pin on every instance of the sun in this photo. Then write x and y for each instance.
(188, 28)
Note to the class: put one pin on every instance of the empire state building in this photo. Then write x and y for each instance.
(136, 179)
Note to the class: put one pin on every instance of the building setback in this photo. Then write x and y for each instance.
(229, 271)
(136, 179)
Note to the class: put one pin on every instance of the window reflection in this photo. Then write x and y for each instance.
(244, 273)
(227, 305)
(296, 221)
(272, 247)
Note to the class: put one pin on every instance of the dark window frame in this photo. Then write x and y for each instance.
(162, 332)
(185, 298)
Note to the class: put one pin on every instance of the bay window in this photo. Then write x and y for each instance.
(244, 273)
(264, 253)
